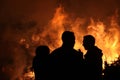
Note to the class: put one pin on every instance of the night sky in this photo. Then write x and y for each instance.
(21, 18)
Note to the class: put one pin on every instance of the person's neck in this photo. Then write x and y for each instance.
(91, 47)
(67, 46)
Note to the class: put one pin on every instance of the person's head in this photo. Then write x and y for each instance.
(88, 41)
(42, 50)
(68, 39)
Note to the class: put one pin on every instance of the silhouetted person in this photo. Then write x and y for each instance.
(41, 63)
(93, 58)
(67, 62)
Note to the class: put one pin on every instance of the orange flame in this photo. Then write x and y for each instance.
(107, 37)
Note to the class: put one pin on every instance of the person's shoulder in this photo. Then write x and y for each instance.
(77, 52)
(55, 51)
(98, 50)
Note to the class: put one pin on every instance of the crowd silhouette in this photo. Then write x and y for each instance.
(66, 63)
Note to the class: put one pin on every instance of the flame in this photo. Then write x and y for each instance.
(107, 36)
(29, 76)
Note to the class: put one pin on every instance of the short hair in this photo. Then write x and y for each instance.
(89, 39)
(42, 50)
(68, 35)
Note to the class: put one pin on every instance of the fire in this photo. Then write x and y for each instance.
(107, 36)
(28, 74)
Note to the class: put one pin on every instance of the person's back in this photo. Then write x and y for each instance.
(41, 63)
(93, 58)
(66, 60)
